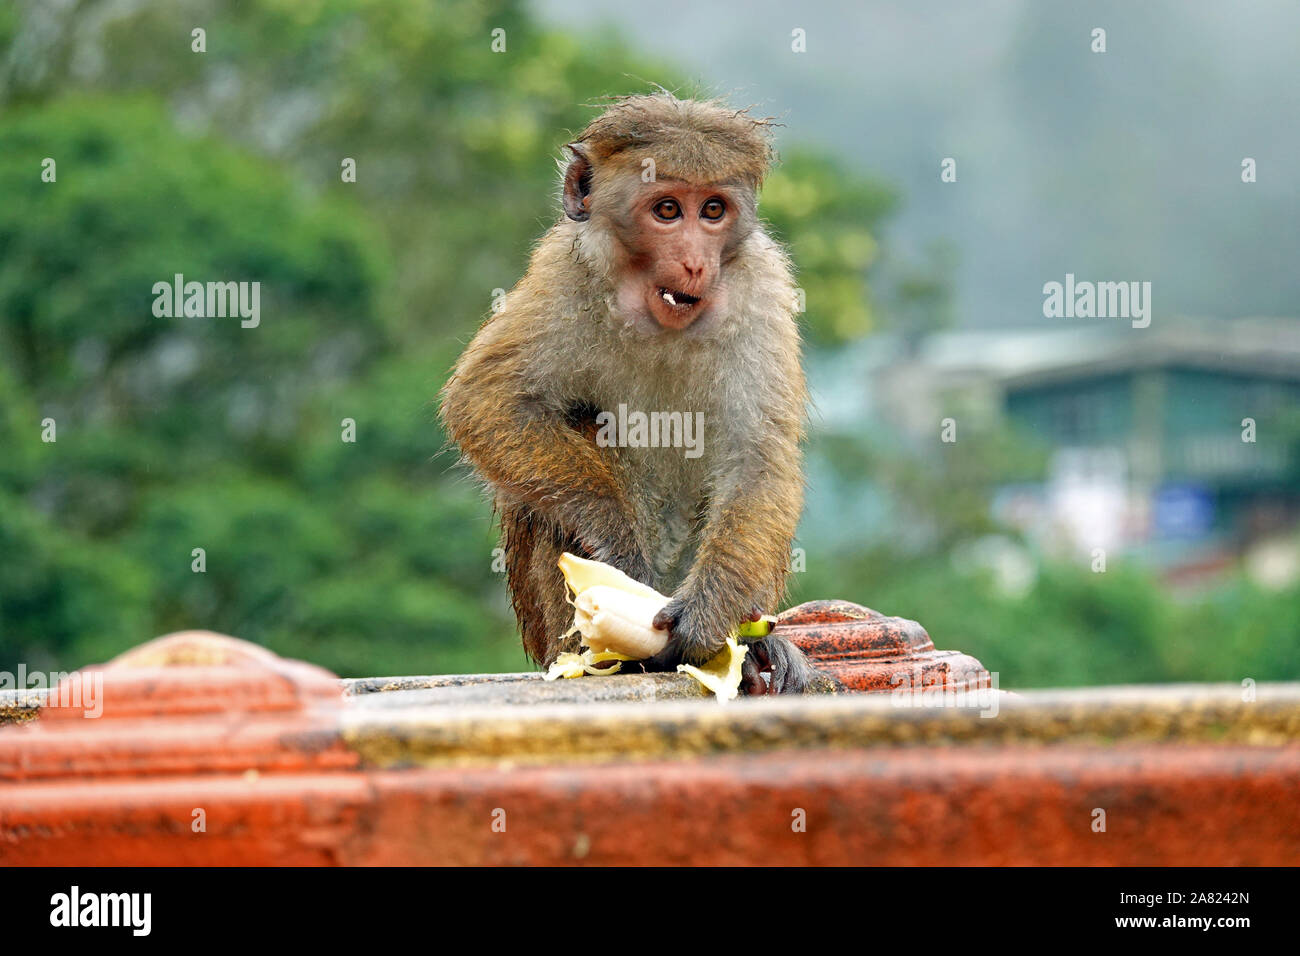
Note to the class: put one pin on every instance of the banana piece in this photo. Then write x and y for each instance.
(611, 619)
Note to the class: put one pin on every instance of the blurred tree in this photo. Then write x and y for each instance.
(192, 426)
(829, 218)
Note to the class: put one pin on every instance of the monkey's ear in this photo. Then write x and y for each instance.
(577, 185)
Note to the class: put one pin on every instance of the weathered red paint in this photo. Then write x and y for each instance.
(192, 702)
(198, 672)
(870, 652)
(1203, 805)
(1197, 805)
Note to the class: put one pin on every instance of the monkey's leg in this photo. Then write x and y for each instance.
(537, 593)
(788, 669)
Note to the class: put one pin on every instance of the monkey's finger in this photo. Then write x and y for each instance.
(668, 617)
(751, 678)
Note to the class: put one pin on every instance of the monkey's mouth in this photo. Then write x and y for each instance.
(674, 309)
(678, 300)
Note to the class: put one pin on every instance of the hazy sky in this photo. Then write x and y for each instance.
(1123, 165)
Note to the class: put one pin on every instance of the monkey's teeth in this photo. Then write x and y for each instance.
(668, 297)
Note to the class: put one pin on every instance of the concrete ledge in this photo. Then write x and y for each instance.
(356, 686)
(416, 731)
(519, 689)
(19, 706)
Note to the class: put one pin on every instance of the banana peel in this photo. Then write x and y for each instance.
(569, 665)
(722, 672)
(583, 573)
(755, 630)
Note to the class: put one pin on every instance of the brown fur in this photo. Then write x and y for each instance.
(715, 531)
(693, 140)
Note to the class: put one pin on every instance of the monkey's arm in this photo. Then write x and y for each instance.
(739, 573)
(742, 561)
(517, 437)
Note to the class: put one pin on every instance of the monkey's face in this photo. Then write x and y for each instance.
(676, 239)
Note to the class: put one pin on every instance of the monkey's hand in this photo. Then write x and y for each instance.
(693, 636)
(692, 641)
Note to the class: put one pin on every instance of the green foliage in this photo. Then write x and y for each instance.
(941, 499)
(173, 433)
(62, 598)
(829, 218)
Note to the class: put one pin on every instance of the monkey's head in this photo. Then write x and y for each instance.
(669, 187)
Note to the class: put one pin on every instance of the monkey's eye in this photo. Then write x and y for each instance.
(713, 210)
(667, 210)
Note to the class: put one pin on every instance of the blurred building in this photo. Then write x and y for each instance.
(1179, 442)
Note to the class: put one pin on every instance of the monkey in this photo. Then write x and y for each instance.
(658, 290)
